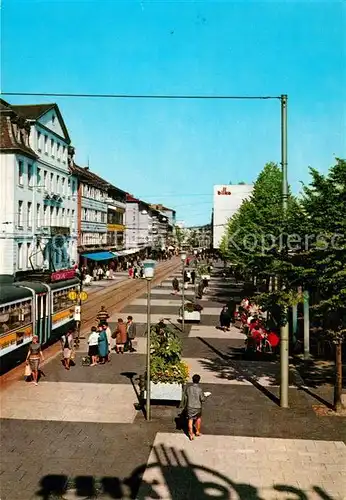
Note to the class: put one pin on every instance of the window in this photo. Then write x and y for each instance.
(30, 175)
(63, 154)
(38, 177)
(57, 184)
(63, 216)
(38, 215)
(28, 255)
(52, 147)
(20, 256)
(62, 301)
(51, 221)
(20, 213)
(72, 216)
(17, 315)
(58, 151)
(20, 173)
(57, 215)
(46, 144)
(63, 184)
(29, 214)
(45, 179)
(53, 119)
(45, 215)
(39, 147)
(52, 182)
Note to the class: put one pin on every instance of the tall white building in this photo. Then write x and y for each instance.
(227, 200)
(38, 196)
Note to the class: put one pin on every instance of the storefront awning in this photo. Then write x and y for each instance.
(99, 255)
(130, 251)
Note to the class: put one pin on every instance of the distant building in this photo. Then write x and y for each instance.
(227, 200)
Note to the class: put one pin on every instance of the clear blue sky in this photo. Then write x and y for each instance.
(174, 151)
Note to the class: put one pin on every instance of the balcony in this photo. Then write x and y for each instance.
(116, 204)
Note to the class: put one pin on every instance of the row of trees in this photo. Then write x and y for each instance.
(305, 247)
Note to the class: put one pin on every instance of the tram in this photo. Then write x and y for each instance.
(30, 308)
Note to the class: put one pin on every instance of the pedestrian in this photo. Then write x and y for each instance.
(67, 345)
(103, 348)
(102, 315)
(120, 336)
(95, 273)
(193, 276)
(186, 280)
(131, 333)
(192, 401)
(131, 272)
(100, 273)
(34, 357)
(225, 319)
(175, 285)
(93, 342)
(110, 340)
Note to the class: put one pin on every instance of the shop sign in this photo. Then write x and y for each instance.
(63, 275)
(224, 192)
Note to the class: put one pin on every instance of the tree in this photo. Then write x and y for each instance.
(253, 237)
(324, 263)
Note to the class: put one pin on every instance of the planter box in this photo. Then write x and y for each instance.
(191, 316)
(162, 391)
(205, 277)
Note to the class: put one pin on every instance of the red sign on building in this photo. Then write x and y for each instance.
(66, 274)
(224, 192)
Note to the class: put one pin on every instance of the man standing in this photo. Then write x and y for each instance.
(192, 401)
(102, 315)
(131, 333)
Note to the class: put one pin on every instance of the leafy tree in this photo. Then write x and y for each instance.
(322, 265)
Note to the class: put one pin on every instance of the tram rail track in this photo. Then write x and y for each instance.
(116, 298)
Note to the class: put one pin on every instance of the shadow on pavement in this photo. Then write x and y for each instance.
(172, 476)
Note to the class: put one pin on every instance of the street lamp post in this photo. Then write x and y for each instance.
(284, 334)
(183, 259)
(149, 268)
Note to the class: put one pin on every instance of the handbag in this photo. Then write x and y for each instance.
(27, 371)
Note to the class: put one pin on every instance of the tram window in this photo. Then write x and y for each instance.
(15, 316)
(62, 301)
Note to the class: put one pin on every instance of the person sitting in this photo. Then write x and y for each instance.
(225, 319)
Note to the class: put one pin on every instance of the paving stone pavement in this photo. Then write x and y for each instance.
(81, 434)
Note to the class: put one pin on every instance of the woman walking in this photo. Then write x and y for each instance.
(103, 345)
(34, 357)
(120, 336)
(67, 344)
(93, 342)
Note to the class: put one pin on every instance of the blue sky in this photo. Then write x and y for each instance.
(172, 152)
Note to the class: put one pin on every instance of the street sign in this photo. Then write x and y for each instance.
(83, 296)
(72, 295)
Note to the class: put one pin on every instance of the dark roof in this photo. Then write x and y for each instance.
(84, 174)
(35, 111)
(10, 293)
(9, 140)
(32, 111)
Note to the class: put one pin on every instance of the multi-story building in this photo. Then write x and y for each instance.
(227, 200)
(38, 196)
(92, 212)
(116, 205)
(138, 223)
(164, 224)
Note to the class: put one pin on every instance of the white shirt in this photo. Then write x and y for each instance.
(93, 338)
(109, 335)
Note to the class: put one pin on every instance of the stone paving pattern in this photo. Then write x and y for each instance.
(80, 433)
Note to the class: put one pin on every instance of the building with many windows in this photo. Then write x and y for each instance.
(116, 207)
(92, 209)
(38, 195)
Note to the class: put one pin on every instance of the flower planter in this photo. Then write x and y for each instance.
(191, 316)
(165, 391)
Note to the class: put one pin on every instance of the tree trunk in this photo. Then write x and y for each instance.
(338, 376)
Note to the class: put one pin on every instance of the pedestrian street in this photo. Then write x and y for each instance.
(81, 433)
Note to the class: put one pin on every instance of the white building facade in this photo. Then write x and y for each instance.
(138, 225)
(227, 199)
(38, 196)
